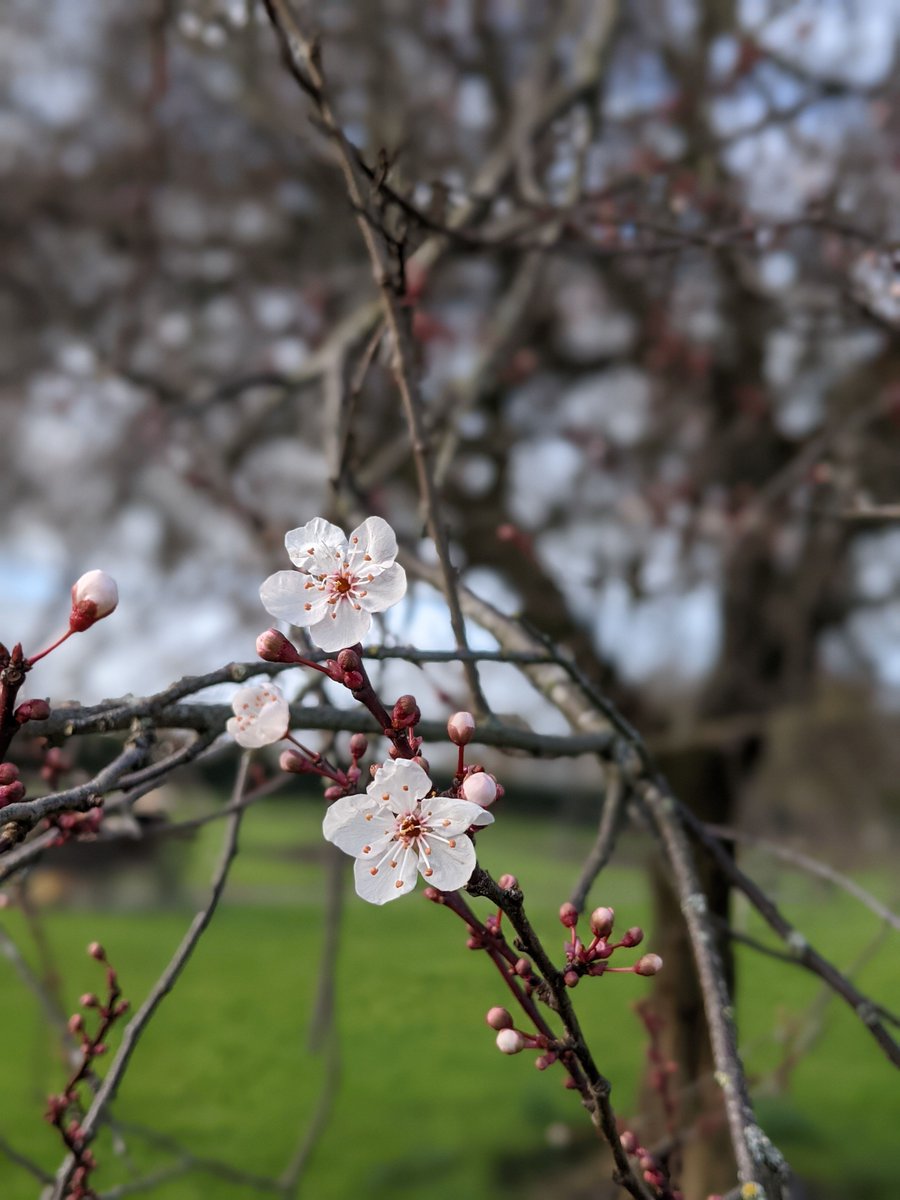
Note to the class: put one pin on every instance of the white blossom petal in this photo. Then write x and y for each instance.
(309, 544)
(342, 625)
(285, 595)
(354, 822)
(400, 784)
(391, 876)
(372, 544)
(451, 817)
(384, 590)
(450, 864)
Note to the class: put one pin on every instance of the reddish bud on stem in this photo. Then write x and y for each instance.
(568, 915)
(273, 646)
(11, 793)
(405, 713)
(94, 596)
(294, 763)
(32, 710)
(650, 964)
(602, 922)
(499, 1018)
(460, 728)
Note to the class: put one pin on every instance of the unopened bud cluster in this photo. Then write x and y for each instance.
(64, 1110)
(592, 957)
(652, 1171)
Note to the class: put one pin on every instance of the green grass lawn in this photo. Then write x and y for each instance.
(425, 1105)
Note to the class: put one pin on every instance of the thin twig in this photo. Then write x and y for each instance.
(612, 818)
(812, 866)
(161, 989)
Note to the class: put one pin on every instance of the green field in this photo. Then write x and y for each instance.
(425, 1104)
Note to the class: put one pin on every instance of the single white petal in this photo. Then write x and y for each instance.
(273, 721)
(394, 875)
(306, 544)
(355, 822)
(373, 543)
(343, 625)
(484, 817)
(246, 699)
(451, 863)
(238, 732)
(286, 595)
(382, 591)
(403, 782)
(450, 817)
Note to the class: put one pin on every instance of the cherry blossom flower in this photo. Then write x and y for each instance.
(339, 582)
(261, 716)
(398, 829)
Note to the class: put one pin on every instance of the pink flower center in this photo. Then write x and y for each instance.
(410, 827)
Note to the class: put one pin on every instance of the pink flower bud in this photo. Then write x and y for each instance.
(94, 596)
(510, 1041)
(543, 1061)
(508, 882)
(523, 967)
(95, 950)
(460, 728)
(480, 789)
(76, 1023)
(359, 744)
(570, 978)
(433, 895)
(11, 793)
(650, 964)
(349, 661)
(9, 773)
(629, 1142)
(602, 922)
(499, 1018)
(32, 710)
(294, 763)
(89, 1000)
(633, 936)
(335, 792)
(568, 915)
(405, 713)
(273, 646)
